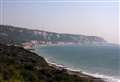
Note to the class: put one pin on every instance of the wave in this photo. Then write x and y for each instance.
(104, 77)
(97, 75)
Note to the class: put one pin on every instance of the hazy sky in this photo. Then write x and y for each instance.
(89, 17)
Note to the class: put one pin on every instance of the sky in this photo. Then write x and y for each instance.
(88, 17)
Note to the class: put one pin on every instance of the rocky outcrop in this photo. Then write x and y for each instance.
(11, 34)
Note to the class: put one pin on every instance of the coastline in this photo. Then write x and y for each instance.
(75, 72)
(102, 78)
(97, 77)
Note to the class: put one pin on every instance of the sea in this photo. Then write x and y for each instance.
(101, 61)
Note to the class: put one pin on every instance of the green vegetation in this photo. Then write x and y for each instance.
(20, 65)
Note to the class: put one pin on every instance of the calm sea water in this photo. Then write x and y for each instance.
(103, 60)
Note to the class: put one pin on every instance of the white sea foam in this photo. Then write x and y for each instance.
(104, 77)
(97, 75)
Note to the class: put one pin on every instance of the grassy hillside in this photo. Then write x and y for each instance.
(20, 65)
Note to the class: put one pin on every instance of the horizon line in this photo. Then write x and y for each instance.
(62, 1)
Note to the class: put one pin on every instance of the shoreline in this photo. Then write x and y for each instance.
(74, 72)
(80, 73)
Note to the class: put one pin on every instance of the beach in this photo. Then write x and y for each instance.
(96, 77)
(52, 59)
(75, 72)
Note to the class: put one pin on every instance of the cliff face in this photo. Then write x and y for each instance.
(11, 34)
(20, 65)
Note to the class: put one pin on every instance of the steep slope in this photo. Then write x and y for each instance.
(11, 34)
(20, 65)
